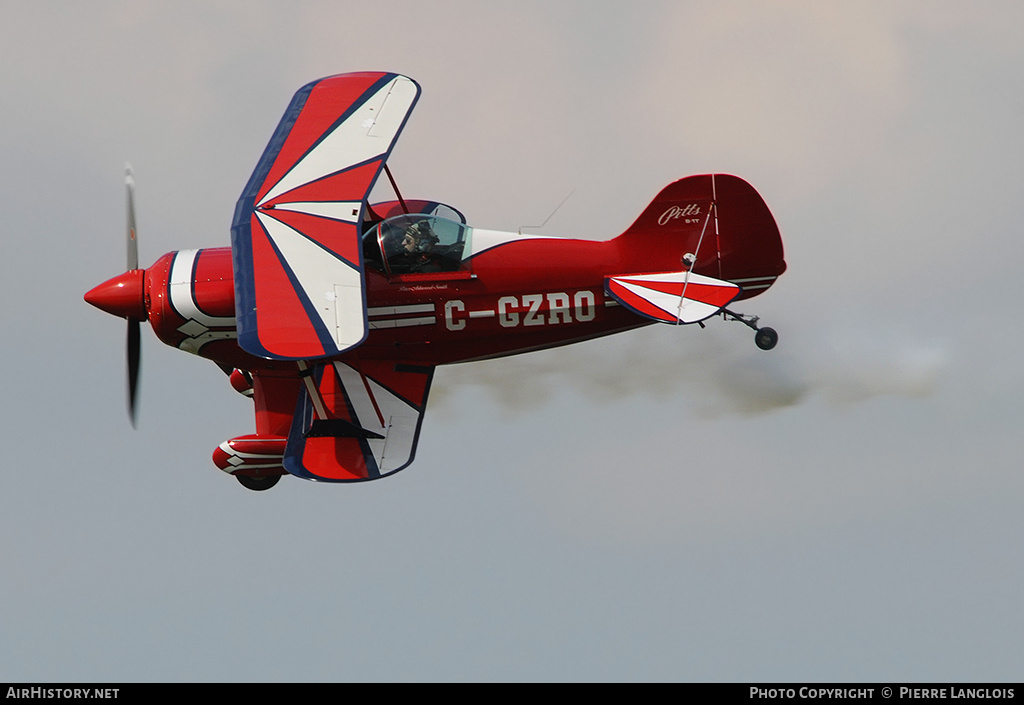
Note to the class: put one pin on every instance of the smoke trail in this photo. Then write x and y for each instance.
(719, 368)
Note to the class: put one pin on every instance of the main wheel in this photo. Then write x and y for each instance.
(258, 484)
(766, 338)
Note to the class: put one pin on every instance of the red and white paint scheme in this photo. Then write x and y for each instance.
(332, 312)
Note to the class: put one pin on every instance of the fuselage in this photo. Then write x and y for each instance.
(515, 294)
(520, 296)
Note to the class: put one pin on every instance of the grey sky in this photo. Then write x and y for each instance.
(666, 505)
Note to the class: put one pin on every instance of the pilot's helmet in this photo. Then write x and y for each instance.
(422, 235)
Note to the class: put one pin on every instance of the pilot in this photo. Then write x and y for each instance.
(419, 238)
(417, 244)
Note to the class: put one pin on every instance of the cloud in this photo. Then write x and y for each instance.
(768, 85)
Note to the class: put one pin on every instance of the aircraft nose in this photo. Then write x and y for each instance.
(124, 295)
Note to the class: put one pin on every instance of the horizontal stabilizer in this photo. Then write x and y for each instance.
(672, 297)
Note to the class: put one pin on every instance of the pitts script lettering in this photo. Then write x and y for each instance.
(690, 209)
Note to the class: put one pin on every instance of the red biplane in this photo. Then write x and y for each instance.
(332, 312)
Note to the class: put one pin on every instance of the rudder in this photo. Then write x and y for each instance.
(721, 219)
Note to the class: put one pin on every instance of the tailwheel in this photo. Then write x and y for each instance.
(764, 338)
(258, 484)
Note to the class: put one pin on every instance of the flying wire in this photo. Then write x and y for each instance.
(690, 265)
(549, 217)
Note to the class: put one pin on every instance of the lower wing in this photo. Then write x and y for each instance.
(357, 420)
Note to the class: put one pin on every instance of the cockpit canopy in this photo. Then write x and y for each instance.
(416, 243)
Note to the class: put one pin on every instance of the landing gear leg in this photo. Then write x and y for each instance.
(764, 338)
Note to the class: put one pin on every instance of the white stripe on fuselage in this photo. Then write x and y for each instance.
(197, 323)
(181, 293)
(482, 240)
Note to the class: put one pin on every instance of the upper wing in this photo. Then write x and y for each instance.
(356, 420)
(299, 283)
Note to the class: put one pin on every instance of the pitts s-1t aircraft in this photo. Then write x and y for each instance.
(332, 312)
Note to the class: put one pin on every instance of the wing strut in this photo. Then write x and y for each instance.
(401, 200)
(306, 374)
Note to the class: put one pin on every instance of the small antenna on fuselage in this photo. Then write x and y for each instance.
(550, 216)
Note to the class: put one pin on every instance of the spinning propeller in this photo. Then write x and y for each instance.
(125, 296)
(134, 350)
